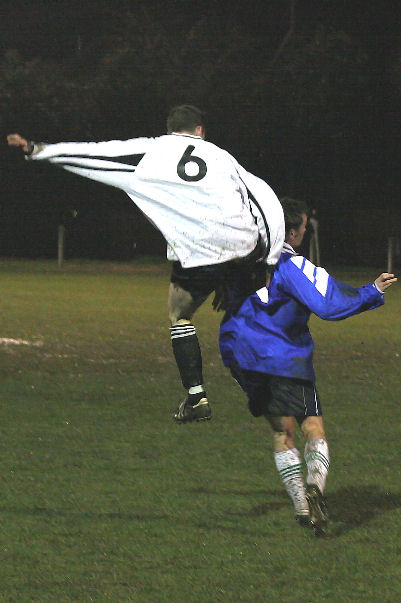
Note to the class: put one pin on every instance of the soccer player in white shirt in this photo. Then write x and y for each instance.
(212, 212)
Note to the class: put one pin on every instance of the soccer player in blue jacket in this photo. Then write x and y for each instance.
(265, 341)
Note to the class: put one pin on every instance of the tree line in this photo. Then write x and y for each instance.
(300, 106)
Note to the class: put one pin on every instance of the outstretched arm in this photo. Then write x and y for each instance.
(111, 162)
(384, 281)
(15, 140)
(82, 150)
(326, 297)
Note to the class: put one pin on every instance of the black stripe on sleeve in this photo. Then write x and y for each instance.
(99, 169)
(252, 198)
(126, 159)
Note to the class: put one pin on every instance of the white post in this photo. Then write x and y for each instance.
(314, 249)
(390, 253)
(60, 246)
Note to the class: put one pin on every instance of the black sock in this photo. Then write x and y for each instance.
(187, 354)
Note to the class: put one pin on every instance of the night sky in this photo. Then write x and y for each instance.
(341, 162)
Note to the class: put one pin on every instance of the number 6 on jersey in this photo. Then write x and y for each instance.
(189, 158)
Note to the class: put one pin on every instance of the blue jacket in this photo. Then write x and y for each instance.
(269, 332)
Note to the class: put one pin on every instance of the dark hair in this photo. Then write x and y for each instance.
(184, 118)
(293, 212)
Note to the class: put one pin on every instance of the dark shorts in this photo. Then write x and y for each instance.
(201, 281)
(278, 396)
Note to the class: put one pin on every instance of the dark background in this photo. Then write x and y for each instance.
(304, 94)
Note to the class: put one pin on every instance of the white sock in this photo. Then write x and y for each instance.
(318, 462)
(289, 466)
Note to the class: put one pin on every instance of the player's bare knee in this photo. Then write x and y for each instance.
(181, 305)
(179, 313)
(313, 428)
(180, 321)
(177, 316)
(281, 441)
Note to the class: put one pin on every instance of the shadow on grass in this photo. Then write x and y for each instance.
(353, 507)
(349, 507)
(275, 499)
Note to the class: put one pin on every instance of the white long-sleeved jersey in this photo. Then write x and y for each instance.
(208, 208)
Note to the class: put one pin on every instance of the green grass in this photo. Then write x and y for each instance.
(104, 498)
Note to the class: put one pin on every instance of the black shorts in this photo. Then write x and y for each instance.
(201, 281)
(278, 396)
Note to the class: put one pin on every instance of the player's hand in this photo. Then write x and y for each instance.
(384, 281)
(15, 140)
(219, 302)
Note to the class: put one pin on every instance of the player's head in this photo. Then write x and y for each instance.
(295, 217)
(186, 118)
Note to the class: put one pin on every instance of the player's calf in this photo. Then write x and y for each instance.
(288, 463)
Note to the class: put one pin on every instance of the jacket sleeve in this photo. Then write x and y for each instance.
(111, 162)
(322, 294)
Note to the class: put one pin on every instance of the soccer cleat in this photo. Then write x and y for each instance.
(188, 411)
(304, 520)
(318, 509)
